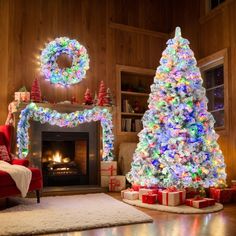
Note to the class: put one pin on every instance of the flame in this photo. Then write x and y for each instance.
(57, 157)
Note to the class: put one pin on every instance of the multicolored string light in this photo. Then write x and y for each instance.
(64, 76)
(178, 144)
(46, 115)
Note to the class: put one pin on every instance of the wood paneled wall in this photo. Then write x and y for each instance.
(26, 25)
(217, 30)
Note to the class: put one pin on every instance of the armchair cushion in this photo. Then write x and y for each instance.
(21, 162)
(4, 156)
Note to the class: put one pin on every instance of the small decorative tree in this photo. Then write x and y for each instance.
(102, 94)
(35, 91)
(88, 100)
(109, 98)
(178, 144)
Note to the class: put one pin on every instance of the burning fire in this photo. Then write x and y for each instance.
(57, 157)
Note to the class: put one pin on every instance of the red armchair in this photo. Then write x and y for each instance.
(7, 185)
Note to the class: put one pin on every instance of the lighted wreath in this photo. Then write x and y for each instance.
(69, 75)
(46, 115)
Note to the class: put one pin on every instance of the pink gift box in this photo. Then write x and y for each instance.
(171, 198)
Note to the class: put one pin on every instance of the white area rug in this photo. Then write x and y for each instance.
(68, 213)
(177, 209)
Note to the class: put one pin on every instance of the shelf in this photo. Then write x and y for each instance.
(131, 114)
(134, 93)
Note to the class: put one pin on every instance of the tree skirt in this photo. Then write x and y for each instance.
(67, 213)
(176, 209)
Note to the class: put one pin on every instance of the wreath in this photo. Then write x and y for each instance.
(69, 75)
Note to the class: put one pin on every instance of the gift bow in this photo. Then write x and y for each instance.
(111, 169)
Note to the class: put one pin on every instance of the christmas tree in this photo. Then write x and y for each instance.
(178, 144)
(88, 100)
(102, 94)
(35, 91)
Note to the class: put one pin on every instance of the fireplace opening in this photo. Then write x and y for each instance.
(65, 158)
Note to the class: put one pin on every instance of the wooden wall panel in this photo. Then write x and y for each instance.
(216, 32)
(4, 17)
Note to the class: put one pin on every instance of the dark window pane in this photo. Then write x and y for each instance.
(214, 77)
(215, 3)
(219, 118)
(216, 98)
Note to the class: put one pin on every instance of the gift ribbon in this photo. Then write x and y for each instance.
(111, 169)
(181, 200)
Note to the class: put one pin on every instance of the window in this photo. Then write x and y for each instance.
(215, 3)
(214, 73)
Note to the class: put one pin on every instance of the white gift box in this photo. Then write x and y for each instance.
(22, 96)
(117, 183)
(131, 195)
(172, 198)
(105, 181)
(108, 168)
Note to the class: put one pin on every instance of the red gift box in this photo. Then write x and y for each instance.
(222, 195)
(136, 187)
(233, 183)
(192, 192)
(149, 198)
(200, 202)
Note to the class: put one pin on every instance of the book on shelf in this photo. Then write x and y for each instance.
(126, 107)
(138, 125)
(131, 125)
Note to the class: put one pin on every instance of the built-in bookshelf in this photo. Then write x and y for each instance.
(133, 90)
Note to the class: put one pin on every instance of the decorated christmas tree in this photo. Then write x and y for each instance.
(35, 94)
(102, 94)
(178, 144)
(88, 100)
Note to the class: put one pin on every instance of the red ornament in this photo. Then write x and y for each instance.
(35, 94)
(88, 100)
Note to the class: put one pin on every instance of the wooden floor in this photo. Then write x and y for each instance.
(167, 224)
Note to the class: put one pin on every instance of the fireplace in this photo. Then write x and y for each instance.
(65, 159)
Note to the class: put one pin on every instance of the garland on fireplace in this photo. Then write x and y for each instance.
(70, 75)
(46, 115)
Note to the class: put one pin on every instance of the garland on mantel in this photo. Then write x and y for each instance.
(47, 115)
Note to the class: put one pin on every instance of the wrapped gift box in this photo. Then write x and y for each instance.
(171, 197)
(108, 168)
(105, 181)
(117, 183)
(192, 192)
(136, 187)
(200, 202)
(149, 198)
(130, 194)
(223, 195)
(22, 95)
(146, 190)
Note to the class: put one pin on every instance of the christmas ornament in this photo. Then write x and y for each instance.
(69, 75)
